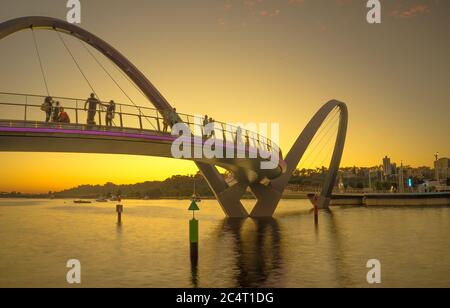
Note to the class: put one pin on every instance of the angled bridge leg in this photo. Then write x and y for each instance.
(229, 197)
(269, 196)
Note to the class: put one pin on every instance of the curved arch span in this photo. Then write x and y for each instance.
(269, 196)
(38, 22)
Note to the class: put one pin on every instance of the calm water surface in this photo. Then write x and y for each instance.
(151, 248)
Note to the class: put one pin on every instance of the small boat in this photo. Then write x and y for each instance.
(82, 202)
(101, 200)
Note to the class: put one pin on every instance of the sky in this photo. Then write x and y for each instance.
(261, 61)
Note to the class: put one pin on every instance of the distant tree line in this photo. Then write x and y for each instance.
(175, 187)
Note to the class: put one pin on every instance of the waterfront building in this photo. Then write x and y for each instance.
(442, 169)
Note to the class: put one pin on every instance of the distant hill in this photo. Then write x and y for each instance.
(174, 187)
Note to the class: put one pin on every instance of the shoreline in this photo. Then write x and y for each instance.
(372, 199)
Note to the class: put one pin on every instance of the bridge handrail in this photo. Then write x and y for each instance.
(248, 136)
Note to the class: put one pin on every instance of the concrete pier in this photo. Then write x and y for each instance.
(429, 199)
(412, 199)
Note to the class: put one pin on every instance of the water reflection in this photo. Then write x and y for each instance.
(337, 249)
(194, 275)
(257, 250)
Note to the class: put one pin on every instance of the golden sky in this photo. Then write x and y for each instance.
(245, 61)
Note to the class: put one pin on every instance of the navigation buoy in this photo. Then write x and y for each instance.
(193, 232)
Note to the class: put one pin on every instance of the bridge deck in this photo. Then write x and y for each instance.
(31, 136)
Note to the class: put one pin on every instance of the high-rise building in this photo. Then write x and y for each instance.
(387, 166)
(442, 169)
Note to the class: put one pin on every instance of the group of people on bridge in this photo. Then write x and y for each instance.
(91, 106)
(170, 118)
(55, 112)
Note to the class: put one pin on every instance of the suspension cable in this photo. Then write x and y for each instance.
(324, 145)
(325, 128)
(76, 63)
(40, 61)
(134, 85)
(328, 153)
(319, 154)
(115, 82)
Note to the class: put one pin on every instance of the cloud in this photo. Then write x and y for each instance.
(411, 11)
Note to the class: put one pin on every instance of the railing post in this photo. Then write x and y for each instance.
(99, 117)
(140, 121)
(76, 112)
(26, 107)
(188, 122)
(157, 121)
(224, 127)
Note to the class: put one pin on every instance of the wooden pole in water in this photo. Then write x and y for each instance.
(316, 214)
(119, 210)
(314, 200)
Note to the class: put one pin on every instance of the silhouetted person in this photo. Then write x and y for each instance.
(205, 123)
(92, 110)
(211, 120)
(63, 116)
(174, 117)
(110, 112)
(166, 121)
(47, 107)
(56, 111)
(239, 135)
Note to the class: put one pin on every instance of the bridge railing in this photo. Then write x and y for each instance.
(25, 107)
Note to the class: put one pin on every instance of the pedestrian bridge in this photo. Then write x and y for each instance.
(138, 129)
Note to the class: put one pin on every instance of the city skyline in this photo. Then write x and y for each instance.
(218, 51)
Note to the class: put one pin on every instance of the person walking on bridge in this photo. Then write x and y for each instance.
(205, 123)
(110, 112)
(174, 117)
(92, 110)
(56, 111)
(47, 107)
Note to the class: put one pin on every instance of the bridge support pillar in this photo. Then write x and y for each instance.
(323, 203)
(268, 199)
(229, 197)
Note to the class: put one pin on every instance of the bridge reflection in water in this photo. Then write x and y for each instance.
(255, 249)
(258, 255)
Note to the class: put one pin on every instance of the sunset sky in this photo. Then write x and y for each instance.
(245, 61)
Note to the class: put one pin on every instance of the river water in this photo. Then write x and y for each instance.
(151, 248)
